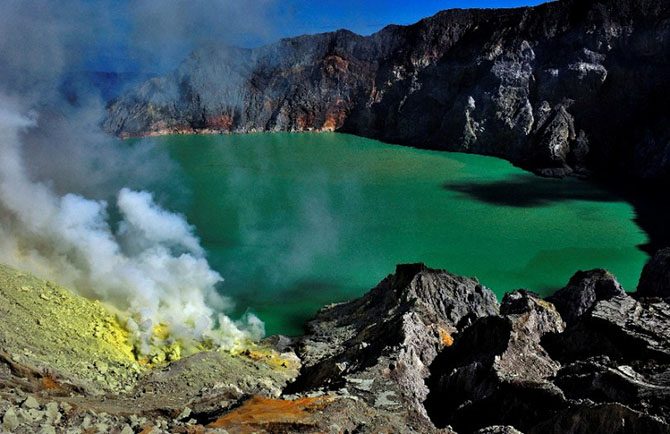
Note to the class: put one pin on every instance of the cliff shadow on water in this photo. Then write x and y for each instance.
(652, 210)
(524, 190)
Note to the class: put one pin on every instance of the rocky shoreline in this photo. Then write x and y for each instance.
(424, 351)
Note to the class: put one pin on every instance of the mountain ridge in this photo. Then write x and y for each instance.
(560, 88)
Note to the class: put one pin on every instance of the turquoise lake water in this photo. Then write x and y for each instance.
(296, 221)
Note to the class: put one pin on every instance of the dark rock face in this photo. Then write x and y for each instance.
(610, 418)
(655, 279)
(607, 371)
(568, 86)
(605, 379)
(583, 291)
(621, 328)
(496, 366)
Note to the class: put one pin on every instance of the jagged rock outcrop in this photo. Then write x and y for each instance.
(379, 347)
(496, 368)
(608, 370)
(566, 86)
(622, 328)
(583, 291)
(610, 417)
(618, 353)
(603, 378)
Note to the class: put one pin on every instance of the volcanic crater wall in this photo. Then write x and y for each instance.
(568, 86)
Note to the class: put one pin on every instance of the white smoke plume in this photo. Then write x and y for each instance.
(152, 265)
(61, 178)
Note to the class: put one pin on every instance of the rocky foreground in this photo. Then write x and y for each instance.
(424, 351)
(568, 86)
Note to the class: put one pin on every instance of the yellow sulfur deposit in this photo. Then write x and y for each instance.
(46, 326)
(72, 339)
(165, 348)
(161, 331)
(268, 356)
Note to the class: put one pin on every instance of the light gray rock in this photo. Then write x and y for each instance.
(53, 412)
(47, 429)
(499, 429)
(30, 403)
(10, 420)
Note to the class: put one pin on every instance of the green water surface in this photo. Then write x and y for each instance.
(296, 221)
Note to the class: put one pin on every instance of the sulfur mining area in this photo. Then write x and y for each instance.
(424, 351)
(67, 364)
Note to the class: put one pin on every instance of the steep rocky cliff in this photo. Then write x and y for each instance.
(572, 85)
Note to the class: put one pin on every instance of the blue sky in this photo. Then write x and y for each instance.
(368, 16)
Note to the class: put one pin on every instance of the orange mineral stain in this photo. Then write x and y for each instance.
(446, 338)
(259, 413)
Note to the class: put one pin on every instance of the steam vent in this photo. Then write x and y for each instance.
(335, 217)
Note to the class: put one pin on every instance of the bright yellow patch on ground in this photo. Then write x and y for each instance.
(72, 339)
(268, 356)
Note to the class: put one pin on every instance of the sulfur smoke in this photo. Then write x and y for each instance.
(61, 180)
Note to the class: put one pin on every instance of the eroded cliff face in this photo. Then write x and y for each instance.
(573, 85)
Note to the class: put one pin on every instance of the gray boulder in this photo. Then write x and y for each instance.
(583, 291)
